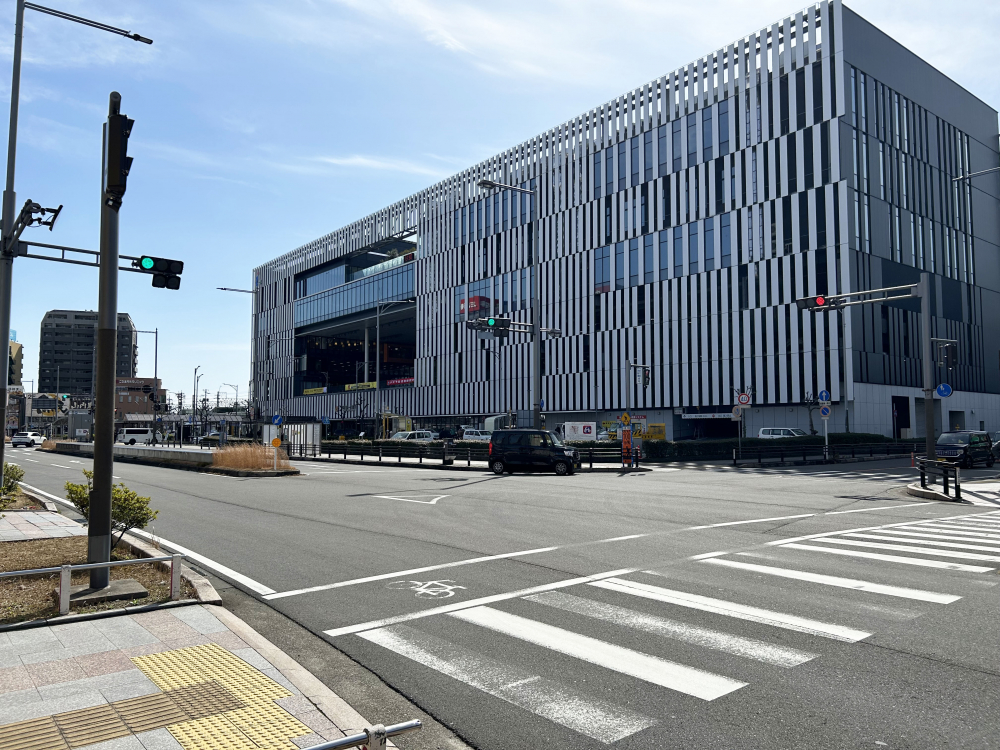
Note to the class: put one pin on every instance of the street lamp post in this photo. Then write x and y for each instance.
(9, 196)
(536, 304)
(194, 401)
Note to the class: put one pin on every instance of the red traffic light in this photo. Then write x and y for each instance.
(820, 301)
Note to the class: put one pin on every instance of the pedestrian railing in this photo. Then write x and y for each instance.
(943, 469)
(373, 738)
(66, 572)
(819, 453)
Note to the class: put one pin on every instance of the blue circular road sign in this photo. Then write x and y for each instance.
(944, 390)
(824, 395)
(824, 411)
(277, 419)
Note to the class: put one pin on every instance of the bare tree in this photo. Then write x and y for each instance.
(812, 404)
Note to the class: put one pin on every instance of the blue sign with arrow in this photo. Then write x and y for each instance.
(944, 390)
(277, 419)
(824, 395)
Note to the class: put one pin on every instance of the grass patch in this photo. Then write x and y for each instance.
(251, 457)
(34, 597)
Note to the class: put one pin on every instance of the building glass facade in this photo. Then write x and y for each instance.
(678, 224)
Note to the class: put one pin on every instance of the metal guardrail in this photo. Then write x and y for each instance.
(66, 572)
(373, 738)
(824, 453)
(943, 469)
(446, 454)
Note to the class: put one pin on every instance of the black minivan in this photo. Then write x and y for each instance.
(531, 450)
(965, 447)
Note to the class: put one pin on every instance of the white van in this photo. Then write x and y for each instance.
(141, 435)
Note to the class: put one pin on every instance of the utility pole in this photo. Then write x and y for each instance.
(116, 132)
(8, 249)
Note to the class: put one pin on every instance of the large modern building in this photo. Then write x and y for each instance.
(678, 224)
(67, 346)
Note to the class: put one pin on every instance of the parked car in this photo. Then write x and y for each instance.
(423, 436)
(966, 448)
(773, 433)
(212, 437)
(133, 435)
(29, 439)
(528, 450)
(480, 436)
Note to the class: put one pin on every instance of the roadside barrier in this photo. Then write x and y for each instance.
(819, 453)
(66, 571)
(942, 469)
(372, 738)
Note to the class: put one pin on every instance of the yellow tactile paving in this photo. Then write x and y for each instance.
(258, 723)
(34, 734)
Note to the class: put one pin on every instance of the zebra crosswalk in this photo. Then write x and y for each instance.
(668, 631)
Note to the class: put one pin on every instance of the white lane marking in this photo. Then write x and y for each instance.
(449, 608)
(956, 530)
(652, 669)
(755, 520)
(919, 561)
(415, 499)
(32, 460)
(115, 476)
(589, 716)
(750, 648)
(656, 469)
(732, 609)
(74, 461)
(60, 466)
(930, 542)
(212, 565)
(845, 583)
(865, 510)
(864, 528)
(707, 555)
(906, 548)
(988, 521)
(12, 463)
(411, 571)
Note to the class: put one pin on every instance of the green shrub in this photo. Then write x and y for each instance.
(128, 509)
(12, 474)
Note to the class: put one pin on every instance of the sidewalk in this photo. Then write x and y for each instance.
(191, 678)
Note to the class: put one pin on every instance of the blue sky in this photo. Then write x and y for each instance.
(262, 125)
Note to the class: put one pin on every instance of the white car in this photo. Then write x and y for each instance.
(30, 439)
(479, 436)
(422, 436)
(773, 433)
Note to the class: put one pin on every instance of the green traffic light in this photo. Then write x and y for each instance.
(491, 322)
(147, 263)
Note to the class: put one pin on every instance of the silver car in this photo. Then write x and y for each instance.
(773, 433)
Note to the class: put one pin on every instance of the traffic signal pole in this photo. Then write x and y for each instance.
(99, 523)
(921, 290)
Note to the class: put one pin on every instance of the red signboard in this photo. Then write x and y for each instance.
(399, 381)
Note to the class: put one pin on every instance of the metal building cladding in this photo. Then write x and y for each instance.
(678, 223)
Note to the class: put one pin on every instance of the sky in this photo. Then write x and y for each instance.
(260, 126)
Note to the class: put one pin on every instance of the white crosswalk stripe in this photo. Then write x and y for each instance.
(907, 548)
(931, 542)
(591, 717)
(652, 669)
(920, 562)
(732, 609)
(847, 583)
(749, 648)
(937, 534)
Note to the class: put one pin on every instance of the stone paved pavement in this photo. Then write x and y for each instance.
(185, 678)
(20, 525)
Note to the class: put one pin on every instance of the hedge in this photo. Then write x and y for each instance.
(667, 450)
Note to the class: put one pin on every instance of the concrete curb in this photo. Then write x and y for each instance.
(917, 491)
(332, 705)
(481, 469)
(184, 465)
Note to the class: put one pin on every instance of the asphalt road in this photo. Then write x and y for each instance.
(674, 608)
